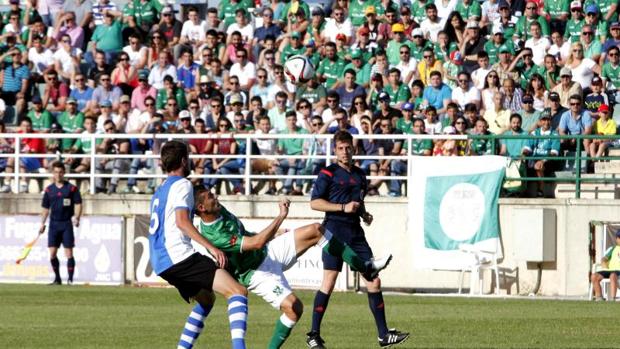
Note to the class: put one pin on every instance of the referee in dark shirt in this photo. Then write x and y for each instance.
(339, 191)
(61, 202)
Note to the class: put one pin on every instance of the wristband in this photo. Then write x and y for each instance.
(342, 207)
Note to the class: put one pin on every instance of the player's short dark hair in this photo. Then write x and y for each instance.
(343, 136)
(199, 191)
(172, 155)
(516, 116)
(58, 164)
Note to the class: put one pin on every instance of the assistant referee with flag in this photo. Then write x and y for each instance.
(61, 202)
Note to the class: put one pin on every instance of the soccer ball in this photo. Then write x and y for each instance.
(298, 69)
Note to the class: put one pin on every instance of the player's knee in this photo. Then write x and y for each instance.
(374, 285)
(318, 229)
(239, 290)
(613, 277)
(292, 307)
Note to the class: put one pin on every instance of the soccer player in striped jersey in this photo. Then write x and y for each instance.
(174, 259)
(258, 261)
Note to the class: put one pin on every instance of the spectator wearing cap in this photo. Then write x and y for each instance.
(398, 91)
(82, 93)
(542, 147)
(66, 24)
(15, 82)
(139, 94)
(465, 92)
(331, 67)
(496, 41)
(432, 25)
(419, 44)
(596, 98)
(575, 23)
(71, 121)
(41, 118)
(575, 121)
(55, 94)
(538, 44)
(360, 67)
(582, 68)
(614, 40)
(107, 92)
(170, 90)
(385, 110)
(504, 67)
(67, 58)
(529, 115)
(349, 89)
(611, 71)
(107, 38)
(437, 94)
(452, 66)
(338, 24)
(469, 9)
(290, 10)
(405, 124)
(472, 44)
(506, 20)
(269, 28)
(371, 25)
(522, 31)
(169, 29)
(604, 126)
(592, 19)
(556, 110)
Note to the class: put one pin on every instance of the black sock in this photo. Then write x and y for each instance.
(320, 305)
(55, 268)
(70, 267)
(375, 301)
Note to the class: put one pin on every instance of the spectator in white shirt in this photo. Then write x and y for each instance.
(194, 31)
(242, 26)
(432, 25)
(160, 70)
(538, 43)
(338, 24)
(244, 70)
(465, 92)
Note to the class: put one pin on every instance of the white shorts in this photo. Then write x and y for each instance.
(268, 281)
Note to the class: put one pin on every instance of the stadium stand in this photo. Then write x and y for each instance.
(462, 67)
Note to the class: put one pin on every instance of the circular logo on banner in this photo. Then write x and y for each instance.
(461, 211)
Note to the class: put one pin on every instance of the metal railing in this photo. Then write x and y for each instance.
(248, 176)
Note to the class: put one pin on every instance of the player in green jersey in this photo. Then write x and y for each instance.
(258, 261)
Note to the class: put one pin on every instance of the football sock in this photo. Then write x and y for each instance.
(237, 316)
(320, 305)
(56, 268)
(375, 301)
(70, 268)
(336, 248)
(283, 329)
(193, 326)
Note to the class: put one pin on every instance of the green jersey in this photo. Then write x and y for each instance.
(146, 13)
(357, 11)
(481, 146)
(228, 9)
(406, 127)
(290, 8)
(417, 52)
(401, 94)
(312, 95)
(393, 50)
(492, 50)
(227, 233)
(109, 37)
(70, 124)
(525, 73)
(418, 11)
(419, 146)
(41, 122)
(84, 144)
(331, 70)
(292, 146)
(556, 8)
(362, 75)
(289, 51)
(611, 74)
(553, 76)
(523, 27)
(469, 11)
(573, 30)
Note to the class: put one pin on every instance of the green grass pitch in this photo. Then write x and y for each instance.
(37, 316)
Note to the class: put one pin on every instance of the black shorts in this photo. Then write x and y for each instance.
(191, 275)
(607, 273)
(350, 234)
(60, 232)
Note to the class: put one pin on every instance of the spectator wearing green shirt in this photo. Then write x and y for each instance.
(357, 11)
(592, 20)
(394, 45)
(362, 69)
(144, 14)
(171, 90)
(611, 71)
(608, 9)
(291, 146)
(331, 68)
(557, 12)
(550, 71)
(592, 47)
(107, 38)
(399, 93)
(469, 9)
(523, 24)
(291, 8)
(40, 117)
(71, 121)
(314, 93)
(574, 24)
(291, 47)
(419, 147)
(228, 9)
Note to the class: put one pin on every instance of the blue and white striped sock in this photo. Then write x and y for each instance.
(193, 326)
(237, 316)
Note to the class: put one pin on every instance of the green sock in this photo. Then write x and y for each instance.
(281, 332)
(336, 248)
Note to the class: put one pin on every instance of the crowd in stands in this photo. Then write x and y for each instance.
(382, 67)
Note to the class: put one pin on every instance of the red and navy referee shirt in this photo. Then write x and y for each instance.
(337, 185)
(61, 201)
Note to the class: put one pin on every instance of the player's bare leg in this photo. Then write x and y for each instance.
(292, 308)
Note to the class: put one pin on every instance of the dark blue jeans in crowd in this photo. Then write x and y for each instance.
(296, 169)
(397, 168)
(230, 167)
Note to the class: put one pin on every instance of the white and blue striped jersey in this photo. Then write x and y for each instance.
(167, 243)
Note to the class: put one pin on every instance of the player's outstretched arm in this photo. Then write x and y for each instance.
(186, 226)
(259, 240)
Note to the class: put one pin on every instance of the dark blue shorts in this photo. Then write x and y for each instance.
(350, 234)
(60, 232)
(607, 273)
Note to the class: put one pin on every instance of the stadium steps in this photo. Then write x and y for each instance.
(609, 167)
(591, 190)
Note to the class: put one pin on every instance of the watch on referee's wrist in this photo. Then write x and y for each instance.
(342, 207)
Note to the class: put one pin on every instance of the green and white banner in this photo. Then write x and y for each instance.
(453, 201)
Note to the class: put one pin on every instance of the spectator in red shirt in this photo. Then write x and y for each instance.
(56, 93)
(27, 146)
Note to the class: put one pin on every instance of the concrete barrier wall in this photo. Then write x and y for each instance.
(567, 276)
